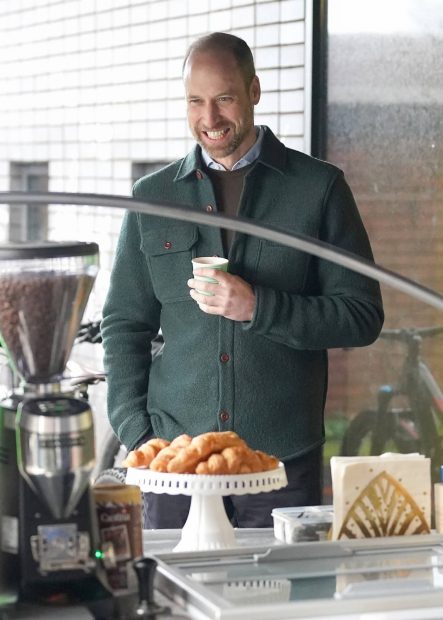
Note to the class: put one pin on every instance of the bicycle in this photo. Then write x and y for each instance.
(108, 466)
(111, 451)
(415, 426)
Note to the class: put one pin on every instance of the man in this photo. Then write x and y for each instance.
(251, 357)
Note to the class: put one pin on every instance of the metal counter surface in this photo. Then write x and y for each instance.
(397, 578)
(161, 542)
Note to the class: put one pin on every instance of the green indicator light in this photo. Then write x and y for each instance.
(99, 554)
(7, 599)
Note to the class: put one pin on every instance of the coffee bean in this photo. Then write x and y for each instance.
(39, 317)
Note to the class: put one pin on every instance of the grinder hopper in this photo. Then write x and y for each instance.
(44, 288)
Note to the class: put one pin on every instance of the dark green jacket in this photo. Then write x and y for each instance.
(265, 379)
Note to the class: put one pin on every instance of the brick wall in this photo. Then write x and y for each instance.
(385, 124)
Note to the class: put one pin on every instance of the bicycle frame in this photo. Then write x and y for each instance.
(423, 394)
(428, 405)
(432, 387)
(382, 420)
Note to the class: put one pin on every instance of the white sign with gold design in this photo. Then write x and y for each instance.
(387, 495)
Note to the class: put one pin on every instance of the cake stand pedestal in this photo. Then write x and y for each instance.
(207, 525)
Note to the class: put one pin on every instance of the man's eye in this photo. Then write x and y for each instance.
(224, 99)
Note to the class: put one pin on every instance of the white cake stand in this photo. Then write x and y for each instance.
(207, 525)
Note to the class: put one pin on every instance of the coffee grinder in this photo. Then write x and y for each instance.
(48, 525)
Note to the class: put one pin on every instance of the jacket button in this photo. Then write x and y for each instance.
(209, 208)
(167, 245)
(199, 174)
(224, 416)
(224, 357)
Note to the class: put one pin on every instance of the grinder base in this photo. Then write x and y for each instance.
(57, 563)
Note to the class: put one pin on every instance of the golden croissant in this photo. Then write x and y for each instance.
(213, 453)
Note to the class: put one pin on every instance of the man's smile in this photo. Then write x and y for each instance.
(216, 135)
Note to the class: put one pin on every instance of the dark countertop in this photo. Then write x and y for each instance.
(154, 541)
(38, 612)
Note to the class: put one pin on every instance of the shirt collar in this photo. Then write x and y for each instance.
(272, 155)
(248, 158)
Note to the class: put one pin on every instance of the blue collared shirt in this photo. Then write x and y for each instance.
(247, 158)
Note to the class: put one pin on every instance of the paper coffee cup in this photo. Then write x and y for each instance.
(208, 262)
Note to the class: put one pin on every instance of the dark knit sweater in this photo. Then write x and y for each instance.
(267, 378)
(228, 186)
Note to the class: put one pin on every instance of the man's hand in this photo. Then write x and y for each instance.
(232, 297)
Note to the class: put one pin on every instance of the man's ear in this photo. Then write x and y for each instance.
(255, 90)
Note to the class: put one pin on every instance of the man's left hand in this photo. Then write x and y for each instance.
(231, 296)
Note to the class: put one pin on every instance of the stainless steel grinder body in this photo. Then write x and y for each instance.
(44, 288)
(55, 458)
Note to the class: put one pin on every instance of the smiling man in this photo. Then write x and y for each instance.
(252, 356)
(221, 102)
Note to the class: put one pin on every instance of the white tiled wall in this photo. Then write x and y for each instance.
(91, 86)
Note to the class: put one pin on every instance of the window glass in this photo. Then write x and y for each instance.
(139, 169)
(28, 222)
(384, 126)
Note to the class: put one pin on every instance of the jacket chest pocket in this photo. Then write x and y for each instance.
(281, 267)
(168, 253)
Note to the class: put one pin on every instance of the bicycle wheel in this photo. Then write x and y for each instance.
(401, 434)
(108, 456)
(358, 434)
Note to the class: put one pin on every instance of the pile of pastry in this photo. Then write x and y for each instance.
(217, 453)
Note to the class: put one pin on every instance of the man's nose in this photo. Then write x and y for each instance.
(211, 114)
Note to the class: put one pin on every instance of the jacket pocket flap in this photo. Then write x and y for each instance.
(169, 240)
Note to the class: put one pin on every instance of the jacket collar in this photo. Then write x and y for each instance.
(272, 154)
(189, 164)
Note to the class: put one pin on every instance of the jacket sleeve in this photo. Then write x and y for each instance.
(338, 307)
(130, 322)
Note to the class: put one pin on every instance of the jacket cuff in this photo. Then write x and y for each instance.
(261, 303)
(134, 431)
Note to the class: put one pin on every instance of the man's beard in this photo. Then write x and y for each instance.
(225, 150)
(238, 134)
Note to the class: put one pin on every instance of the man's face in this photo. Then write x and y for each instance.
(220, 106)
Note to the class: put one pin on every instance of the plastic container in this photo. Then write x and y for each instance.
(44, 288)
(438, 503)
(302, 523)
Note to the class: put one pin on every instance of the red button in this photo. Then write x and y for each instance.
(209, 208)
(199, 175)
(167, 245)
(224, 416)
(224, 357)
